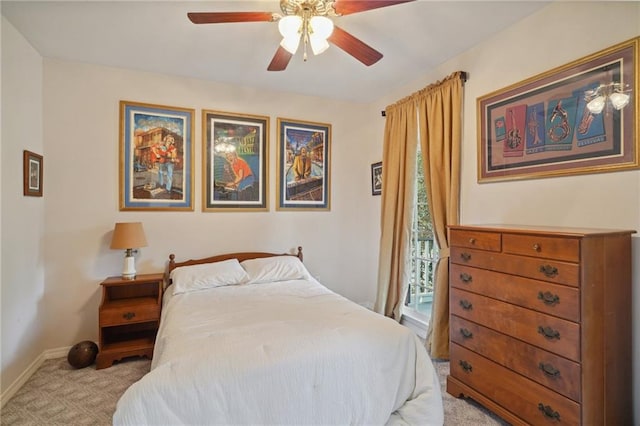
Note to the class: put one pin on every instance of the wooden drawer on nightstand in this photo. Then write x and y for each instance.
(130, 311)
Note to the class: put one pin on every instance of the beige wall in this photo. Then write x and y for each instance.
(23, 311)
(558, 34)
(80, 105)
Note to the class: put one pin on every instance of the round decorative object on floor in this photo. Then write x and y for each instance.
(82, 354)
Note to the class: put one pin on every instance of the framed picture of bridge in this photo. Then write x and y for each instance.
(578, 118)
(304, 165)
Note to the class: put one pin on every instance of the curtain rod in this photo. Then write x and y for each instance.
(463, 76)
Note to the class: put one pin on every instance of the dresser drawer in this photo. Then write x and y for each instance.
(566, 249)
(125, 314)
(475, 239)
(533, 403)
(558, 300)
(539, 269)
(554, 334)
(550, 370)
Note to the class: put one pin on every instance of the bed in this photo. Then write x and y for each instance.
(254, 339)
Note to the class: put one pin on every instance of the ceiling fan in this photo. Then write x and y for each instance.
(307, 22)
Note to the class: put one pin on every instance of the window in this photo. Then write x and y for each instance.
(424, 255)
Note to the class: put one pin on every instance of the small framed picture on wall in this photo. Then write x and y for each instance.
(32, 174)
(376, 178)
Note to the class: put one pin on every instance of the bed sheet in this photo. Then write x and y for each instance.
(281, 353)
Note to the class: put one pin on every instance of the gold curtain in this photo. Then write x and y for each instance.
(432, 116)
(398, 175)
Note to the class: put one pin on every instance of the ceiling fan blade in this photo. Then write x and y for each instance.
(354, 47)
(347, 7)
(280, 60)
(224, 17)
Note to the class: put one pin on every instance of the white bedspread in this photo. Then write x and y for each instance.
(284, 353)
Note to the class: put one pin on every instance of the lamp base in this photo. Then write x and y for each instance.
(129, 271)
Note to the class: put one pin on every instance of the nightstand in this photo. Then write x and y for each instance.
(129, 317)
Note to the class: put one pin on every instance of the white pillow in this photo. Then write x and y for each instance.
(207, 275)
(276, 268)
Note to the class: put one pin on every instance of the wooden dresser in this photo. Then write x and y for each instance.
(540, 323)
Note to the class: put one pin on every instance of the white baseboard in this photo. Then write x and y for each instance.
(31, 369)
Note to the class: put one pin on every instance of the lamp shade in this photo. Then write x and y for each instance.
(128, 235)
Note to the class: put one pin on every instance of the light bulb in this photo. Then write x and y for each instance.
(596, 105)
(619, 100)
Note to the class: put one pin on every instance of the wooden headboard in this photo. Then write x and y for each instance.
(218, 258)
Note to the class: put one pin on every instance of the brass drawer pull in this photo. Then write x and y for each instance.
(549, 370)
(466, 366)
(472, 241)
(465, 256)
(465, 278)
(537, 247)
(548, 298)
(549, 332)
(549, 271)
(466, 305)
(548, 411)
(128, 315)
(466, 333)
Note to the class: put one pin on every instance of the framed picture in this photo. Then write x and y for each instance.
(303, 165)
(575, 119)
(156, 157)
(235, 154)
(376, 178)
(32, 164)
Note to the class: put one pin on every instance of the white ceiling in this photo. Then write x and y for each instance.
(156, 36)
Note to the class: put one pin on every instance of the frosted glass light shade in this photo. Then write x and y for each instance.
(289, 28)
(318, 44)
(596, 105)
(619, 100)
(290, 25)
(321, 27)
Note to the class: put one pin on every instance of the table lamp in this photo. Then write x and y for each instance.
(128, 236)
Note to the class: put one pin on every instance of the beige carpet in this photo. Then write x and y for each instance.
(58, 394)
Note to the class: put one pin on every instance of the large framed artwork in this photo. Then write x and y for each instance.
(578, 118)
(235, 153)
(156, 157)
(304, 165)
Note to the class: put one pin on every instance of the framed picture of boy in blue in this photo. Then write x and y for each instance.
(303, 165)
(156, 157)
(235, 161)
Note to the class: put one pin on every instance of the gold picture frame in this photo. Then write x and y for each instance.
(546, 126)
(304, 165)
(156, 157)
